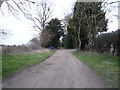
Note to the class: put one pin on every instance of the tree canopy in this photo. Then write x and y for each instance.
(51, 34)
(88, 19)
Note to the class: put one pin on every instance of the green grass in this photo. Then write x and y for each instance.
(105, 65)
(14, 62)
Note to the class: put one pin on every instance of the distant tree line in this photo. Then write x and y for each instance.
(108, 42)
(34, 44)
(15, 48)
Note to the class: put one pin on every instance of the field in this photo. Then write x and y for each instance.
(105, 65)
(15, 61)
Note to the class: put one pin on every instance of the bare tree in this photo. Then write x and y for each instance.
(17, 6)
(1, 1)
(35, 43)
(39, 12)
(42, 15)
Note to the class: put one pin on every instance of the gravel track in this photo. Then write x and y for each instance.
(61, 70)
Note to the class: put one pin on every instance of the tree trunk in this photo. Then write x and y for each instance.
(79, 40)
(89, 41)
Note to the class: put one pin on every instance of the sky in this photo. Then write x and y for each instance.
(20, 31)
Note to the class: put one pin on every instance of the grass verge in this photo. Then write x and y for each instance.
(105, 65)
(14, 62)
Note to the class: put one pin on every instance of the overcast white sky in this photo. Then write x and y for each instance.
(20, 31)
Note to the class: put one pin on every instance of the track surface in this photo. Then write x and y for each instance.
(61, 70)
